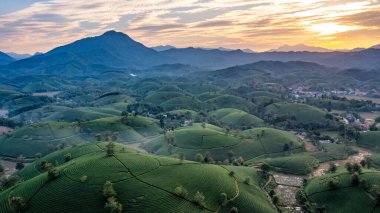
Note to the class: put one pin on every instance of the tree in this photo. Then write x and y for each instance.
(53, 173)
(181, 157)
(170, 149)
(110, 148)
(68, 157)
(286, 147)
(223, 199)
(333, 184)
(199, 198)
(265, 168)
(234, 210)
(275, 199)
(375, 191)
(20, 162)
(349, 167)
(332, 167)
(355, 179)
(18, 204)
(199, 158)
(357, 168)
(247, 180)
(108, 190)
(113, 205)
(181, 191)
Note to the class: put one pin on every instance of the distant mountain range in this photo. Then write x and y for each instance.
(5, 59)
(300, 48)
(115, 50)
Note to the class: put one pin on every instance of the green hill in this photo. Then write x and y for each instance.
(82, 114)
(195, 139)
(111, 99)
(236, 118)
(143, 183)
(297, 114)
(39, 138)
(369, 140)
(231, 101)
(46, 137)
(343, 196)
(160, 97)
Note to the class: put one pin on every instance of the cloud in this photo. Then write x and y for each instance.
(259, 24)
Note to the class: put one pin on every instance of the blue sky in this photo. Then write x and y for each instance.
(28, 26)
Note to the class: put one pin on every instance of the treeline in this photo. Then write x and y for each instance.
(8, 123)
(24, 109)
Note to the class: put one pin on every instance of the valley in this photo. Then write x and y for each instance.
(124, 128)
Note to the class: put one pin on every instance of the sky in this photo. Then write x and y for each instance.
(28, 26)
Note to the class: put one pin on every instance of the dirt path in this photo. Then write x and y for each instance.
(321, 170)
(309, 146)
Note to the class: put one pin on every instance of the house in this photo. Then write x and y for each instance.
(325, 141)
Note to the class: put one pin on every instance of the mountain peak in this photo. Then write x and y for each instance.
(113, 33)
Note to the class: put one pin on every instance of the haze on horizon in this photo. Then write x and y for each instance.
(28, 26)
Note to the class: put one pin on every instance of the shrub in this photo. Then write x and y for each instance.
(53, 173)
(333, 184)
(223, 199)
(68, 157)
(332, 167)
(83, 178)
(355, 179)
(18, 204)
(108, 190)
(113, 206)
(199, 158)
(234, 210)
(231, 173)
(110, 148)
(181, 191)
(247, 180)
(199, 198)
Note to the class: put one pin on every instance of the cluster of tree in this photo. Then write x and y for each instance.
(349, 132)
(18, 205)
(110, 195)
(342, 103)
(7, 182)
(107, 136)
(24, 109)
(144, 109)
(206, 158)
(109, 94)
(52, 172)
(8, 123)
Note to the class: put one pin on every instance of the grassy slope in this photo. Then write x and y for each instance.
(236, 118)
(195, 139)
(144, 183)
(346, 198)
(303, 113)
(40, 138)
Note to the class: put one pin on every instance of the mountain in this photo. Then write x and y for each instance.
(163, 48)
(18, 56)
(216, 59)
(115, 51)
(227, 49)
(299, 48)
(5, 59)
(112, 49)
(376, 46)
